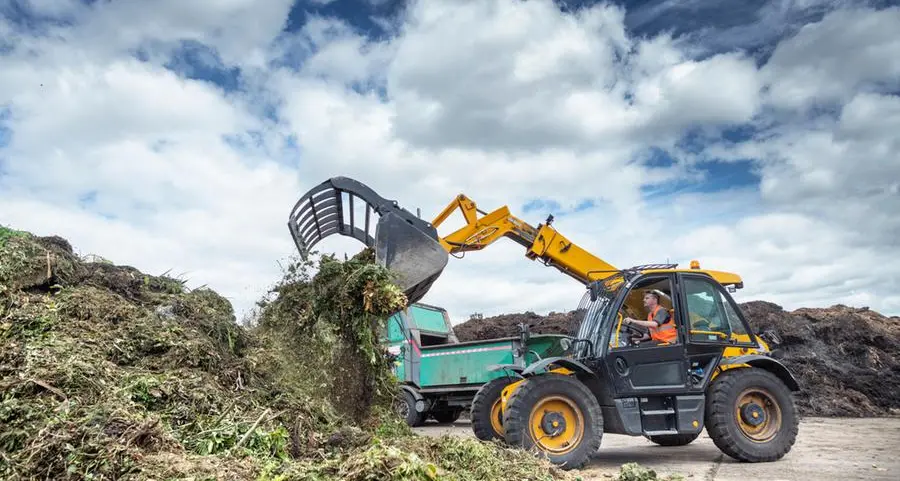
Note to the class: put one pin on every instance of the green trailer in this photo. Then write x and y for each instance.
(439, 375)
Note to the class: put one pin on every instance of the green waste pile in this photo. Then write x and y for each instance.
(108, 373)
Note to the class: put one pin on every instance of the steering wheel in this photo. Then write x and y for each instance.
(633, 331)
(625, 332)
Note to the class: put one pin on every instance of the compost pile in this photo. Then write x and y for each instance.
(846, 359)
(507, 325)
(109, 373)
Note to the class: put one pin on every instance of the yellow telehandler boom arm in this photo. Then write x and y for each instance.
(543, 243)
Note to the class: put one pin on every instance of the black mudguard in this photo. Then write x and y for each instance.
(769, 364)
(415, 392)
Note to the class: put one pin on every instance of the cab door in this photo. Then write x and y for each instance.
(714, 327)
(648, 368)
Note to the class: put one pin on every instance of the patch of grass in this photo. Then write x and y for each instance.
(7, 233)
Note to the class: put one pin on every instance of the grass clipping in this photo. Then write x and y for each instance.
(108, 373)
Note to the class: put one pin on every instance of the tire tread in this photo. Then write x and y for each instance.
(415, 418)
(719, 416)
(482, 401)
(516, 416)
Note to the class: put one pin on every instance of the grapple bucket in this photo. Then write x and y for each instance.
(404, 243)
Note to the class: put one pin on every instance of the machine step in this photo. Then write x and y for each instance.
(659, 433)
(658, 412)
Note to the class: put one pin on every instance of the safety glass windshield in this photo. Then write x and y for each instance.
(589, 316)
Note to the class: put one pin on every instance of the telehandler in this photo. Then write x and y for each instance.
(717, 373)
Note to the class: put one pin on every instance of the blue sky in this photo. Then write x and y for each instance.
(758, 137)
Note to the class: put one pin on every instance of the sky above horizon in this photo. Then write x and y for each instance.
(761, 138)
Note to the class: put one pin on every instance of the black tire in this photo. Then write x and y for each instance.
(674, 439)
(405, 406)
(775, 405)
(575, 396)
(446, 416)
(483, 406)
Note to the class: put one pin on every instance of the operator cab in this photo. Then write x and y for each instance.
(699, 302)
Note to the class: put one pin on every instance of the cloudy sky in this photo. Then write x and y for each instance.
(761, 139)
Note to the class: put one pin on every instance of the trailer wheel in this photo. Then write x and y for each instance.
(487, 421)
(674, 439)
(750, 415)
(558, 416)
(405, 407)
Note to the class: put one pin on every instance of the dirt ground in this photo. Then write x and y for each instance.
(826, 449)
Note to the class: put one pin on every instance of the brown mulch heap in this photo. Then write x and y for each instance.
(846, 359)
(109, 373)
(507, 325)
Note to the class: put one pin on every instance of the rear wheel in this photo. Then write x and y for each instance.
(750, 415)
(556, 415)
(674, 439)
(487, 418)
(405, 407)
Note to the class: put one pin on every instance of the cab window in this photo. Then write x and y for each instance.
(711, 317)
(635, 306)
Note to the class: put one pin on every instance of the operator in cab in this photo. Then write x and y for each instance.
(660, 324)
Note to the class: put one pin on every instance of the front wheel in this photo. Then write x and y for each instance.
(750, 415)
(487, 420)
(558, 416)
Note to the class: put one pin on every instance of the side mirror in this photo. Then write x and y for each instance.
(565, 343)
(594, 289)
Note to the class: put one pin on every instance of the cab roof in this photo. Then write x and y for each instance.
(614, 280)
(722, 277)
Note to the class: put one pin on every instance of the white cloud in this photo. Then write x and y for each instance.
(530, 78)
(796, 260)
(830, 61)
(130, 160)
(842, 170)
(125, 98)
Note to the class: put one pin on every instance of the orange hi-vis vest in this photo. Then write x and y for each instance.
(666, 332)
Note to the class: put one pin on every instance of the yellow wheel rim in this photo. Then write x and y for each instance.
(556, 424)
(758, 415)
(497, 417)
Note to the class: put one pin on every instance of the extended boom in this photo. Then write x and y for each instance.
(412, 247)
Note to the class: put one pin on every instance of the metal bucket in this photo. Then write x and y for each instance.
(405, 244)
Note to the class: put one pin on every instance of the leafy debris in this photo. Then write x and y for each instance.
(636, 472)
(109, 373)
